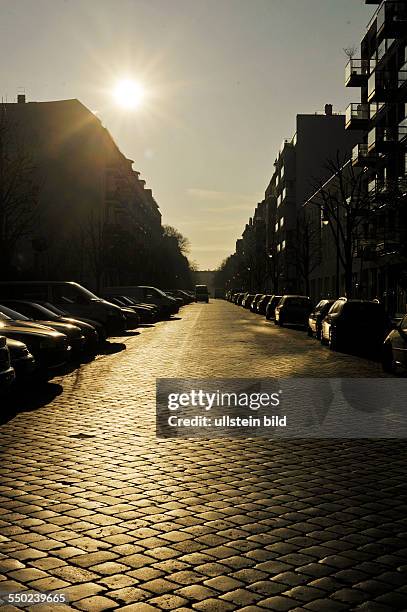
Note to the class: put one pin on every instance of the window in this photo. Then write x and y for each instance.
(276, 227)
(281, 221)
(278, 248)
(283, 245)
(284, 193)
(282, 172)
(279, 200)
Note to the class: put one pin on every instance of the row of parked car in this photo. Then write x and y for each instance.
(46, 325)
(348, 325)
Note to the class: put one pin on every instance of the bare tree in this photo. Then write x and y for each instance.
(307, 249)
(346, 206)
(183, 242)
(19, 192)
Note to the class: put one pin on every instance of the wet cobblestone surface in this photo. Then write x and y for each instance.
(94, 506)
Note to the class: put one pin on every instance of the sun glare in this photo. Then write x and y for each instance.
(129, 94)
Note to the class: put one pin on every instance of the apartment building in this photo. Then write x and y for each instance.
(379, 164)
(88, 192)
(300, 166)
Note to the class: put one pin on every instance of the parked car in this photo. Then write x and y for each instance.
(394, 354)
(255, 300)
(41, 314)
(271, 307)
(178, 298)
(66, 318)
(70, 296)
(150, 295)
(74, 334)
(240, 298)
(262, 303)
(293, 310)
(316, 317)
(355, 325)
(7, 373)
(148, 313)
(201, 293)
(21, 359)
(50, 349)
(247, 300)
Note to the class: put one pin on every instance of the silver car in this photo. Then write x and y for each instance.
(395, 348)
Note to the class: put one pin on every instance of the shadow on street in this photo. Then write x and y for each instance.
(27, 400)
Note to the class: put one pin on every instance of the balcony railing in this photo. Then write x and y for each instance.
(384, 85)
(357, 115)
(375, 108)
(402, 130)
(392, 19)
(357, 72)
(383, 139)
(360, 155)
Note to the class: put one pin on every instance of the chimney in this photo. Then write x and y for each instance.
(21, 99)
(328, 110)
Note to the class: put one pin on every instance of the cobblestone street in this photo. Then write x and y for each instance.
(92, 505)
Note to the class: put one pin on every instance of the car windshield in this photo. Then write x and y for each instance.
(54, 309)
(13, 314)
(41, 310)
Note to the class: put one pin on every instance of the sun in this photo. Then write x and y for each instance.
(129, 94)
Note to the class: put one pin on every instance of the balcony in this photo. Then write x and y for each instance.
(384, 85)
(391, 19)
(357, 72)
(375, 109)
(383, 140)
(357, 116)
(402, 130)
(361, 157)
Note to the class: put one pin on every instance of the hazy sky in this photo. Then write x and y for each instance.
(225, 80)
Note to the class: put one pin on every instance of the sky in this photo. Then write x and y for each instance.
(224, 81)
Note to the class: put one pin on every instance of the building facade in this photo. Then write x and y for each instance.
(94, 212)
(379, 163)
(271, 248)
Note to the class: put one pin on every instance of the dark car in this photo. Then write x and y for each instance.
(271, 307)
(73, 333)
(72, 297)
(201, 293)
(247, 300)
(21, 359)
(262, 303)
(66, 317)
(147, 312)
(293, 310)
(240, 298)
(50, 349)
(255, 300)
(41, 314)
(356, 326)
(7, 373)
(316, 317)
(394, 353)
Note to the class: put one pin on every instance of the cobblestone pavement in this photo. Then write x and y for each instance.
(94, 506)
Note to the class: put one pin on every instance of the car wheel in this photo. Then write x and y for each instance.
(275, 322)
(281, 322)
(387, 359)
(309, 332)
